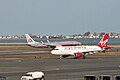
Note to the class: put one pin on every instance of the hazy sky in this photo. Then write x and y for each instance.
(66, 17)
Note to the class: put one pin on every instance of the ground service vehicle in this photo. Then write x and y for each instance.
(105, 77)
(2, 78)
(100, 77)
(90, 77)
(117, 77)
(33, 76)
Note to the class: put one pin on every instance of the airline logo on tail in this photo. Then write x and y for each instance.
(29, 40)
(104, 41)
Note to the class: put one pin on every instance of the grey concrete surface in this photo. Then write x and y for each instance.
(60, 69)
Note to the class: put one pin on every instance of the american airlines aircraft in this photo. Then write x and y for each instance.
(33, 43)
(81, 51)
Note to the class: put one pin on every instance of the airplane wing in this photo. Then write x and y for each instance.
(63, 43)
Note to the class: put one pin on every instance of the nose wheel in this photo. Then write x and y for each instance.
(60, 57)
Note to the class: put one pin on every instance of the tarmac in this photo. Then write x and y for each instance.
(15, 63)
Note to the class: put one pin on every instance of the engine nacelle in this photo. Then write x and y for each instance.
(79, 55)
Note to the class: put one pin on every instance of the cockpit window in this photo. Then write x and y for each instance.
(28, 75)
(56, 49)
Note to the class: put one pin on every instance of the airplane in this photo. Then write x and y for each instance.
(33, 43)
(49, 44)
(81, 51)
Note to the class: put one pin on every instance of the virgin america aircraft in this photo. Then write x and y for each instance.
(81, 51)
(41, 44)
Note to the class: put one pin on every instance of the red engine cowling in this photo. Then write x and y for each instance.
(79, 55)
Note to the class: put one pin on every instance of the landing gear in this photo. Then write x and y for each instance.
(75, 58)
(60, 57)
(84, 57)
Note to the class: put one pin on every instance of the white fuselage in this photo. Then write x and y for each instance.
(71, 50)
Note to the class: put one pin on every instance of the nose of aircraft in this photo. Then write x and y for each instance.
(52, 52)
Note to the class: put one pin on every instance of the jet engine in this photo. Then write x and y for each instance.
(79, 55)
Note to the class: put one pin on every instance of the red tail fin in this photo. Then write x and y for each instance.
(104, 42)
